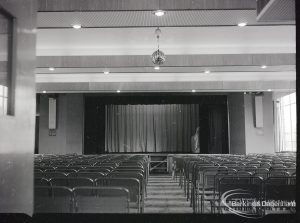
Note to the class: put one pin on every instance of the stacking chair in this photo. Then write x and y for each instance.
(240, 188)
(41, 182)
(43, 168)
(278, 173)
(37, 170)
(80, 182)
(50, 175)
(138, 176)
(205, 185)
(262, 172)
(133, 186)
(38, 174)
(53, 199)
(101, 200)
(280, 188)
(59, 181)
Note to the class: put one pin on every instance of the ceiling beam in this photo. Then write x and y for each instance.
(142, 5)
(205, 86)
(172, 60)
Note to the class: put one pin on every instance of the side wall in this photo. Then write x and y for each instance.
(69, 132)
(259, 140)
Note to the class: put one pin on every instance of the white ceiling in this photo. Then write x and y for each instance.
(174, 40)
(189, 37)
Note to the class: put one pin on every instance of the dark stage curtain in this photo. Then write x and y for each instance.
(150, 128)
(218, 136)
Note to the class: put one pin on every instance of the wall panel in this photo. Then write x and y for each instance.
(17, 131)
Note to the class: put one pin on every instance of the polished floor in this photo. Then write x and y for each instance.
(164, 195)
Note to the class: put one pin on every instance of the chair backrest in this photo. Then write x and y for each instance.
(63, 170)
(101, 200)
(138, 176)
(41, 182)
(278, 173)
(262, 172)
(80, 182)
(280, 188)
(59, 181)
(49, 175)
(38, 174)
(95, 169)
(91, 175)
(53, 200)
(253, 186)
(132, 184)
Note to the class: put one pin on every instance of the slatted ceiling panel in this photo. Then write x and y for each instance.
(166, 69)
(91, 5)
(278, 10)
(147, 19)
(167, 86)
(103, 5)
(173, 60)
(207, 4)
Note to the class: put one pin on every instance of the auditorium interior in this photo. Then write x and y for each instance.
(148, 107)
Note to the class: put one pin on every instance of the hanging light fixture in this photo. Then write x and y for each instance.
(158, 57)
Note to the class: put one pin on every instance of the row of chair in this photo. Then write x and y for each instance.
(60, 199)
(133, 185)
(129, 172)
(201, 175)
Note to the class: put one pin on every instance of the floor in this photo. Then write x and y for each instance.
(164, 195)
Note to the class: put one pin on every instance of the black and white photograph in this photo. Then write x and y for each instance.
(148, 111)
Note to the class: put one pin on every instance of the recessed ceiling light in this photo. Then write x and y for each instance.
(156, 68)
(159, 13)
(118, 91)
(207, 72)
(106, 72)
(76, 26)
(44, 92)
(269, 89)
(242, 24)
(245, 92)
(193, 91)
(264, 66)
(51, 68)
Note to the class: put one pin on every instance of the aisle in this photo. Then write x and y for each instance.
(164, 195)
